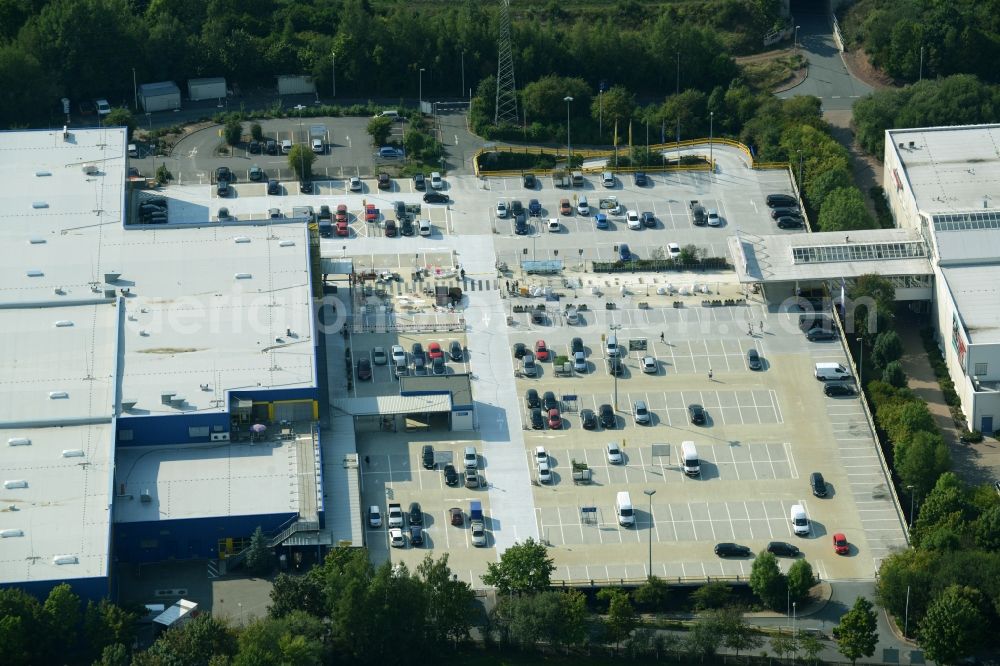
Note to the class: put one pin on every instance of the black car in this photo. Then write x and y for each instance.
(818, 484)
(456, 351)
(223, 173)
(416, 536)
(537, 421)
(384, 183)
(305, 186)
(271, 147)
(784, 212)
(439, 367)
(616, 367)
(815, 334)
(417, 350)
(838, 390)
(519, 350)
(648, 219)
(406, 226)
(400, 209)
(589, 419)
(788, 222)
(520, 225)
(529, 180)
(450, 475)
(576, 345)
(222, 188)
(516, 208)
(391, 229)
(419, 182)
(731, 550)
(782, 549)
(753, 360)
(416, 515)
(324, 213)
(364, 369)
(640, 179)
(781, 201)
(255, 147)
(427, 456)
(531, 398)
(436, 197)
(697, 414)
(273, 187)
(419, 366)
(607, 416)
(549, 401)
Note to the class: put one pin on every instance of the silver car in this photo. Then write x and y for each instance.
(641, 413)
(529, 366)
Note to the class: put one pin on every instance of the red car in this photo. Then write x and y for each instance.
(840, 545)
(434, 351)
(541, 350)
(342, 228)
(555, 420)
(342, 213)
(371, 213)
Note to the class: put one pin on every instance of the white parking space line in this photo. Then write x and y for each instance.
(791, 460)
(777, 408)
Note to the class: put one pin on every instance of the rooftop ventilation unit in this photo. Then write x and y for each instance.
(43, 173)
(36, 241)
(16, 483)
(58, 291)
(166, 396)
(242, 239)
(39, 204)
(242, 276)
(65, 133)
(6, 534)
(177, 401)
(72, 453)
(902, 145)
(145, 497)
(111, 278)
(63, 323)
(127, 405)
(286, 243)
(90, 169)
(18, 441)
(58, 395)
(65, 559)
(109, 293)
(911, 145)
(34, 272)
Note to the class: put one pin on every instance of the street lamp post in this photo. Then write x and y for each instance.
(462, 92)
(793, 631)
(600, 112)
(711, 132)
(910, 488)
(569, 144)
(618, 359)
(420, 103)
(800, 170)
(795, 42)
(135, 90)
(677, 91)
(333, 57)
(649, 494)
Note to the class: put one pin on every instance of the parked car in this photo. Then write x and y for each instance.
(384, 182)
(374, 516)
(784, 212)
(456, 351)
(544, 473)
(438, 366)
(753, 360)
(838, 390)
(520, 349)
(613, 453)
(437, 182)
(713, 218)
(534, 208)
(355, 184)
(273, 187)
(555, 419)
(588, 418)
(256, 173)
(419, 183)
(396, 538)
(565, 208)
(379, 357)
(649, 365)
(818, 484)
(531, 398)
(781, 201)
(817, 334)
(601, 221)
(549, 400)
(456, 516)
(541, 350)
(503, 210)
(391, 230)
(427, 456)
(364, 369)
(698, 216)
(782, 549)
(398, 354)
(472, 478)
(450, 475)
(528, 365)
(786, 222)
(607, 416)
(639, 179)
(305, 186)
(415, 515)
(436, 197)
(537, 420)
(632, 218)
(416, 536)
(648, 219)
(528, 180)
(576, 345)
(406, 226)
(731, 550)
(434, 350)
(641, 413)
(697, 414)
(520, 225)
(470, 458)
(840, 545)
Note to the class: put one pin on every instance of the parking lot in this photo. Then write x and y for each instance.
(765, 430)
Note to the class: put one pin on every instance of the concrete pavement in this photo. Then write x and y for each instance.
(829, 78)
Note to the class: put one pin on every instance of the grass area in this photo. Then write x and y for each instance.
(768, 74)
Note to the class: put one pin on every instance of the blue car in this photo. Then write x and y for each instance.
(534, 208)
(625, 254)
(601, 221)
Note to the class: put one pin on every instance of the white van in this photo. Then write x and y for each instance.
(689, 459)
(624, 510)
(613, 350)
(800, 523)
(826, 372)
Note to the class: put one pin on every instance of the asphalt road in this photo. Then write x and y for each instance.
(828, 76)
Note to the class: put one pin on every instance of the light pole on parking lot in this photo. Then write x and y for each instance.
(649, 494)
(795, 42)
(569, 144)
(420, 102)
(333, 58)
(711, 131)
(617, 357)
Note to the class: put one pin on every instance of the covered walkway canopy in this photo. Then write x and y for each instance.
(387, 405)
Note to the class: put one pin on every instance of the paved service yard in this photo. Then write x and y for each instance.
(765, 432)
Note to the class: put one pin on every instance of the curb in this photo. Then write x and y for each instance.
(796, 81)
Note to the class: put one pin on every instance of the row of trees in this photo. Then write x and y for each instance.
(913, 38)
(83, 49)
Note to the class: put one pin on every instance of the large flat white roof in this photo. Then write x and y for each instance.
(206, 481)
(62, 510)
(950, 168)
(976, 290)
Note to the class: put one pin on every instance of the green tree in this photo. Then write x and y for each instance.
(292, 593)
(869, 292)
(711, 595)
(621, 618)
(163, 175)
(703, 639)
(105, 624)
(817, 187)
(987, 529)
(857, 631)
(256, 132)
(800, 580)
(615, 106)
(22, 628)
(920, 461)
(652, 594)
(451, 602)
(379, 129)
(810, 646)
(113, 655)
(544, 98)
(767, 581)
(233, 130)
(260, 557)
(887, 348)
(893, 374)
(689, 255)
(954, 625)
(120, 116)
(301, 159)
(782, 645)
(844, 210)
(737, 634)
(524, 567)
(62, 618)
(193, 643)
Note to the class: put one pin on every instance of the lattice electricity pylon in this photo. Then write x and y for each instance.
(506, 110)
